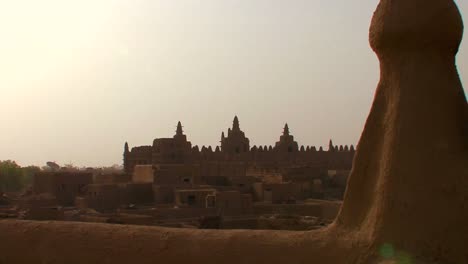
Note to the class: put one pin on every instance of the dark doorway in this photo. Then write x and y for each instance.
(191, 200)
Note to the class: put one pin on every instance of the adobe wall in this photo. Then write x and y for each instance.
(73, 243)
(192, 197)
(233, 203)
(221, 163)
(323, 210)
(283, 192)
(139, 193)
(65, 186)
(103, 197)
(43, 183)
(176, 174)
(143, 174)
(240, 223)
(175, 213)
(44, 213)
(141, 155)
(41, 200)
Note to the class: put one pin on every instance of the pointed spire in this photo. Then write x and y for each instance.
(126, 149)
(217, 149)
(235, 124)
(330, 146)
(179, 131)
(286, 130)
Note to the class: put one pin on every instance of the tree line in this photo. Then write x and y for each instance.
(14, 178)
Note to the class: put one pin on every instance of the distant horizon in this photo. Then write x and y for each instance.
(79, 79)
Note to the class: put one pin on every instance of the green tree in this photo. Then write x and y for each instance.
(13, 178)
(10, 176)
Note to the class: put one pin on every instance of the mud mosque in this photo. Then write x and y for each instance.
(236, 156)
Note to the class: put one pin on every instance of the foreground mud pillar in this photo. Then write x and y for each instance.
(409, 184)
(407, 196)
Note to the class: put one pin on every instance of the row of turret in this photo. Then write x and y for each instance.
(234, 147)
(266, 148)
(237, 142)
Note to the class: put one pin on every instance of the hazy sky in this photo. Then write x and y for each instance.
(79, 78)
